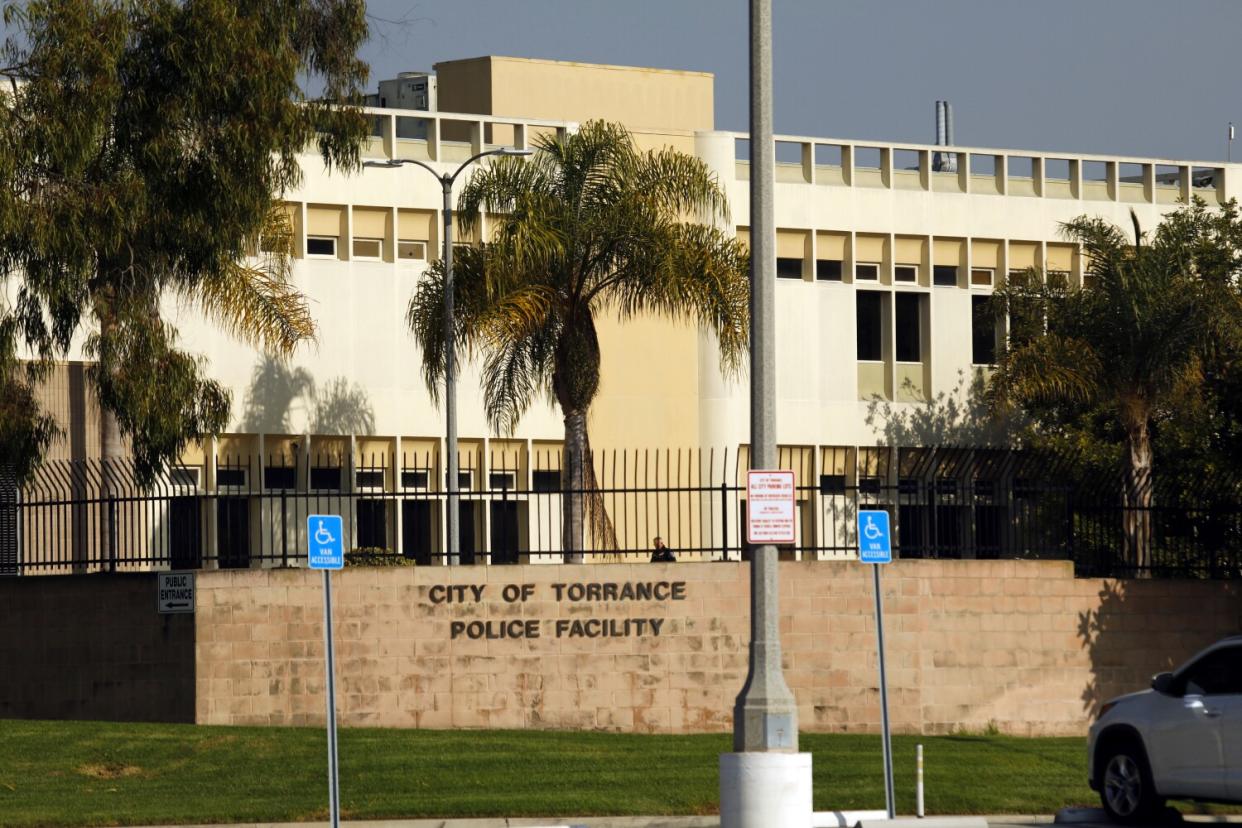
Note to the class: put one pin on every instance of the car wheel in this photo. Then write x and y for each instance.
(1126, 789)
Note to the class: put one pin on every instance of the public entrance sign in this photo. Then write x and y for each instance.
(770, 507)
(875, 542)
(175, 592)
(325, 543)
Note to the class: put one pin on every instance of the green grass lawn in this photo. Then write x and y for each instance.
(95, 773)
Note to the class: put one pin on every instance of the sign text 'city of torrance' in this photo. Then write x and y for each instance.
(562, 592)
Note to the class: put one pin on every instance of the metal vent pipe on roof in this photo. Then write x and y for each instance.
(944, 161)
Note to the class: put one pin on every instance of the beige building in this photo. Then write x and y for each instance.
(884, 264)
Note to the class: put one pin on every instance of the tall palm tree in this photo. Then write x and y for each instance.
(1130, 339)
(588, 226)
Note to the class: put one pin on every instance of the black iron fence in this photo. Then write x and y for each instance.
(240, 512)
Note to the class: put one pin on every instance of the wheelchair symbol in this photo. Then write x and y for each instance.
(871, 531)
(323, 537)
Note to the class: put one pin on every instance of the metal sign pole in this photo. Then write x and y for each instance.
(334, 791)
(889, 804)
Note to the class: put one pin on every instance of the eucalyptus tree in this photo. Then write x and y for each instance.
(1131, 341)
(589, 226)
(144, 148)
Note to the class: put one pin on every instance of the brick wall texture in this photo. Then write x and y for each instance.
(1021, 646)
(93, 647)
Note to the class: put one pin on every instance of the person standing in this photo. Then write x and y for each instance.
(661, 553)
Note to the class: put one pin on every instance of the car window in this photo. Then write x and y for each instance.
(1218, 673)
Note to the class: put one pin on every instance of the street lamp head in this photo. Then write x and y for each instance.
(515, 152)
(387, 165)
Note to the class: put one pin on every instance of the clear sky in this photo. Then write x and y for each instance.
(1133, 77)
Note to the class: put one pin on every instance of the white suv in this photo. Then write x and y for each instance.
(1182, 739)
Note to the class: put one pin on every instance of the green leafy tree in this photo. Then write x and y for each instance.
(144, 146)
(1128, 348)
(587, 226)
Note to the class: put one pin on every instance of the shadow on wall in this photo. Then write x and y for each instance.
(1128, 639)
(278, 392)
(956, 418)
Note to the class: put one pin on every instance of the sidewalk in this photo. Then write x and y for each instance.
(995, 821)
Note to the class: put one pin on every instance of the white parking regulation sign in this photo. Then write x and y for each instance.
(770, 507)
(175, 592)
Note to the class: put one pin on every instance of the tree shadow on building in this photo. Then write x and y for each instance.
(1147, 626)
(278, 393)
(960, 417)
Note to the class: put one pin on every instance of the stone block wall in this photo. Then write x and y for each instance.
(93, 647)
(1022, 646)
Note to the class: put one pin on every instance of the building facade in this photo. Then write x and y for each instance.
(886, 258)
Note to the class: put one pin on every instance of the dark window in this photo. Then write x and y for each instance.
(906, 273)
(908, 328)
(280, 477)
(230, 477)
(546, 481)
(828, 270)
(233, 532)
(502, 480)
(504, 531)
(372, 524)
(467, 522)
(416, 526)
(870, 485)
(830, 484)
(788, 268)
(325, 478)
(369, 479)
(867, 272)
(463, 481)
(414, 479)
(944, 275)
(870, 305)
(982, 331)
(320, 246)
(1216, 674)
(185, 539)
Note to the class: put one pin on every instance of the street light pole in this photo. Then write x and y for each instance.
(765, 716)
(450, 351)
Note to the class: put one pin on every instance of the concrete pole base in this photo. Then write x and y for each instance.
(763, 790)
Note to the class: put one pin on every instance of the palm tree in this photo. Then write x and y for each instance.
(1129, 340)
(587, 226)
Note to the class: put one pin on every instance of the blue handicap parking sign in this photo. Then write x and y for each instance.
(325, 541)
(874, 541)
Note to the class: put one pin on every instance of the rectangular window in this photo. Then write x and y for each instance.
(867, 272)
(325, 478)
(546, 481)
(407, 249)
(944, 275)
(372, 518)
(464, 481)
(321, 246)
(982, 331)
(788, 268)
(870, 308)
(906, 273)
(369, 479)
(909, 334)
(414, 479)
(280, 477)
(981, 277)
(828, 270)
(502, 480)
(234, 478)
(367, 248)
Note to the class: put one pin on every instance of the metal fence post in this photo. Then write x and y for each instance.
(9, 564)
(284, 530)
(724, 521)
